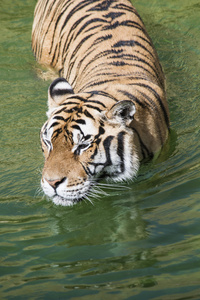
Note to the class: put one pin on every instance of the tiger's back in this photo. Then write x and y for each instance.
(104, 52)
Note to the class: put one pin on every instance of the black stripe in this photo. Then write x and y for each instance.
(131, 8)
(127, 23)
(78, 7)
(97, 102)
(90, 21)
(96, 83)
(148, 105)
(54, 124)
(69, 111)
(125, 7)
(118, 63)
(39, 48)
(142, 146)
(81, 5)
(134, 58)
(159, 100)
(66, 103)
(92, 49)
(56, 133)
(145, 40)
(138, 66)
(75, 52)
(101, 131)
(86, 169)
(93, 155)
(88, 136)
(102, 6)
(131, 43)
(105, 53)
(81, 43)
(50, 23)
(76, 97)
(78, 128)
(80, 121)
(156, 118)
(61, 92)
(59, 118)
(113, 15)
(102, 39)
(99, 55)
(54, 54)
(106, 144)
(120, 149)
(94, 27)
(67, 40)
(87, 114)
(64, 8)
(105, 94)
(94, 107)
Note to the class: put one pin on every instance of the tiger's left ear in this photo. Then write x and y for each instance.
(122, 112)
(57, 93)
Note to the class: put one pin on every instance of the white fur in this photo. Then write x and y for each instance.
(62, 85)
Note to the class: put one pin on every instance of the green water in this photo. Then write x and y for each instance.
(142, 243)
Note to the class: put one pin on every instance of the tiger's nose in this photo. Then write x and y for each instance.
(55, 183)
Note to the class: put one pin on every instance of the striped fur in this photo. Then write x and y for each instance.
(108, 111)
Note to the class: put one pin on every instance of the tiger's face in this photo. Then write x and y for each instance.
(82, 142)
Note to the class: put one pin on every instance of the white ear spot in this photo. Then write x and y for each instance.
(62, 86)
(58, 91)
(59, 87)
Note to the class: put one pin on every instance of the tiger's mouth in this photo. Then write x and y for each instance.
(66, 196)
(69, 198)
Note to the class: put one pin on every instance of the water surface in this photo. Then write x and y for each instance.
(138, 243)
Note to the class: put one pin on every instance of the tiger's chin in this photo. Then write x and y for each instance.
(69, 199)
(58, 200)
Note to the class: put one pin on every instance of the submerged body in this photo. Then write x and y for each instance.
(108, 111)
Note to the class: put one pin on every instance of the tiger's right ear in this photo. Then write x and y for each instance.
(57, 93)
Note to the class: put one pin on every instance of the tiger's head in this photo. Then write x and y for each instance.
(83, 141)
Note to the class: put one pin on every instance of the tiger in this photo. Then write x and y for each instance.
(107, 108)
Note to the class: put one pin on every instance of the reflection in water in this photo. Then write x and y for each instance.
(126, 249)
